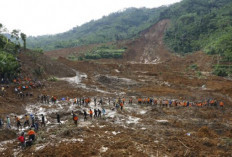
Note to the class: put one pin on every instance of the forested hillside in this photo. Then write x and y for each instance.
(201, 25)
(116, 26)
(196, 25)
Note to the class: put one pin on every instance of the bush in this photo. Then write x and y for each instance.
(52, 79)
(8, 63)
(38, 71)
(220, 71)
(194, 67)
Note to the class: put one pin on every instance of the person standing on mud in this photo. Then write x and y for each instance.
(95, 101)
(103, 112)
(91, 114)
(95, 113)
(21, 138)
(1, 123)
(99, 113)
(43, 121)
(32, 120)
(100, 101)
(58, 118)
(36, 126)
(26, 123)
(121, 104)
(130, 101)
(83, 101)
(8, 122)
(75, 118)
(85, 115)
(18, 123)
(48, 99)
(31, 134)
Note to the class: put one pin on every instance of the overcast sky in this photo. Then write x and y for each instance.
(39, 17)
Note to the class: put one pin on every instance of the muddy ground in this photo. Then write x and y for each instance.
(148, 69)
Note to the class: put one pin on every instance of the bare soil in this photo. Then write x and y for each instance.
(147, 69)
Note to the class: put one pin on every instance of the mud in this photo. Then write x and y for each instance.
(148, 69)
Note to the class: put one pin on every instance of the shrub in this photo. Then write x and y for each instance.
(52, 79)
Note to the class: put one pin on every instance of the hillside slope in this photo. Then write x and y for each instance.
(116, 26)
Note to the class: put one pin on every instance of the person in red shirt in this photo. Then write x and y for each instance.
(21, 138)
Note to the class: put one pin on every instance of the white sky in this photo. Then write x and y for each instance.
(39, 17)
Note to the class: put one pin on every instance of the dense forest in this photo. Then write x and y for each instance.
(116, 26)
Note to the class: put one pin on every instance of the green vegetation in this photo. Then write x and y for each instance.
(23, 37)
(196, 25)
(52, 79)
(9, 66)
(201, 25)
(104, 52)
(116, 26)
(193, 67)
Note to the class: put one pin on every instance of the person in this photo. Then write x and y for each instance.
(8, 122)
(75, 101)
(21, 138)
(103, 112)
(99, 113)
(75, 118)
(31, 134)
(101, 101)
(221, 104)
(123, 100)
(117, 106)
(83, 101)
(26, 121)
(170, 103)
(91, 113)
(144, 101)
(95, 113)
(139, 101)
(36, 125)
(121, 104)
(18, 123)
(95, 101)
(1, 123)
(148, 100)
(58, 118)
(85, 115)
(43, 121)
(130, 101)
(47, 99)
(32, 120)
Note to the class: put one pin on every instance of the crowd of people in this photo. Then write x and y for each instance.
(22, 86)
(33, 122)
